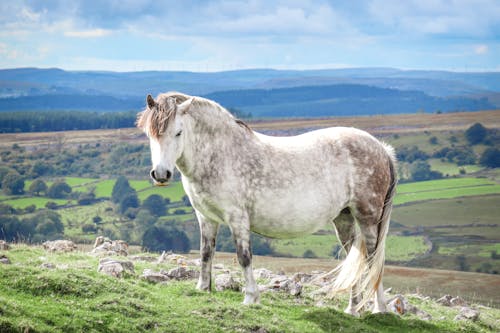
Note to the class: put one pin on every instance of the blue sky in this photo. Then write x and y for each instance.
(126, 35)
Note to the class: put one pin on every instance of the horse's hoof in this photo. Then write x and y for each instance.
(251, 299)
(351, 311)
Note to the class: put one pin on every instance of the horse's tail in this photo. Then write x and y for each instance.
(358, 267)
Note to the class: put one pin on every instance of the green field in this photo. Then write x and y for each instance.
(398, 248)
(39, 202)
(444, 189)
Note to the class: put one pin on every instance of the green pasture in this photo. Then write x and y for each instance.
(39, 202)
(452, 169)
(398, 248)
(481, 210)
(444, 189)
(479, 250)
(174, 191)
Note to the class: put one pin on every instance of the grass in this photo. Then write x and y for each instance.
(39, 202)
(444, 189)
(398, 248)
(483, 210)
(452, 169)
(74, 297)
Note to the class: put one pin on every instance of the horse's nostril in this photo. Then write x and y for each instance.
(169, 174)
(152, 174)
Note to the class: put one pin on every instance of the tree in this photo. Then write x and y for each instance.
(165, 238)
(59, 190)
(490, 158)
(121, 189)
(476, 133)
(40, 169)
(37, 187)
(421, 170)
(129, 201)
(155, 204)
(13, 184)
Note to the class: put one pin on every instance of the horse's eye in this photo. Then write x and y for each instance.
(179, 133)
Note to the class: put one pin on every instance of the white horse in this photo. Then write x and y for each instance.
(279, 187)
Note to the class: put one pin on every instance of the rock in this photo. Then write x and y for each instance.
(445, 300)
(105, 246)
(48, 265)
(183, 273)
(283, 283)
(219, 266)
(155, 277)
(397, 305)
(4, 246)
(262, 273)
(467, 313)
(4, 260)
(115, 268)
(458, 301)
(60, 245)
(302, 277)
(143, 258)
(226, 282)
(172, 258)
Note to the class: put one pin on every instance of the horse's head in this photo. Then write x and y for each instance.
(163, 122)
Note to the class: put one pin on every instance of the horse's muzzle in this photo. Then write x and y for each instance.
(159, 179)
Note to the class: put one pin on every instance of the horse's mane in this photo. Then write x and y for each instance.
(155, 121)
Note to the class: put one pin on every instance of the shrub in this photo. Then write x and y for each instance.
(13, 184)
(490, 158)
(59, 190)
(476, 134)
(165, 238)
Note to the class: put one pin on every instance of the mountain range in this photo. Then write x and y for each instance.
(261, 92)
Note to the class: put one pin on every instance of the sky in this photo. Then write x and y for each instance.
(219, 35)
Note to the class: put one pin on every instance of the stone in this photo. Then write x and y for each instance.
(59, 245)
(183, 273)
(106, 246)
(4, 260)
(115, 268)
(302, 277)
(155, 277)
(226, 282)
(172, 258)
(467, 313)
(48, 265)
(262, 273)
(458, 301)
(445, 300)
(4, 246)
(283, 283)
(397, 305)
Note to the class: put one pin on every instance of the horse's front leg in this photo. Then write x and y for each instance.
(208, 235)
(241, 234)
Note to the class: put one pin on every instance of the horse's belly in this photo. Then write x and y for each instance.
(288, 220)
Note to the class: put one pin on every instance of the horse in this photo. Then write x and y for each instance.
(278, 187)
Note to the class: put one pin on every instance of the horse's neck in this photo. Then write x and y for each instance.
(211, 142)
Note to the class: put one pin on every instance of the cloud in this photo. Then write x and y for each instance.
(93, 33)
(481, 49)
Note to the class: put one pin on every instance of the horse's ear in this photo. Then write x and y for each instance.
(184, 107)
(150, 101)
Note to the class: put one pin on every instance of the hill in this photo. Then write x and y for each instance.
(44, 291)
(337, 92)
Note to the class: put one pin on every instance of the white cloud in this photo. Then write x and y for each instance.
(481, 49)
(93, 33)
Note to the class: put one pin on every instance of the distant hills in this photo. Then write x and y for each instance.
(262, 92)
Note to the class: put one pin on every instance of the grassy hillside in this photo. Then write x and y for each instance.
(74, 297)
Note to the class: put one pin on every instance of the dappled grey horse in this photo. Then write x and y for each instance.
(278, 187)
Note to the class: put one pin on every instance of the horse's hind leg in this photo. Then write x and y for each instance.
(345, 229)
(241, 234)
(208, 234)
(371, 235)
